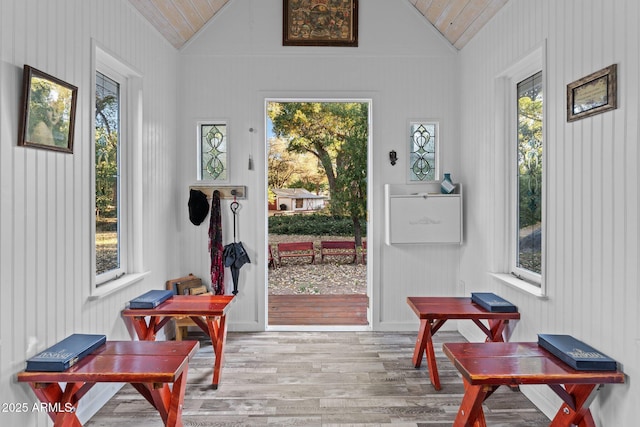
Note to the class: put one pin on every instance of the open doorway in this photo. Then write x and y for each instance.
(317, 170)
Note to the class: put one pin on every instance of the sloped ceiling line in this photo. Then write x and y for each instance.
(457, 20)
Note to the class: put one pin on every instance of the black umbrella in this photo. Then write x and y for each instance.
(234, 254)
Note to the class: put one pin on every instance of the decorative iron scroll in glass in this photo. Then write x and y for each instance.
(423, 146)
(213, 151)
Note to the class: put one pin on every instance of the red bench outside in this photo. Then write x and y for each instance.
(296, 250)
(272, 260)
(337, 248)
(364, 251)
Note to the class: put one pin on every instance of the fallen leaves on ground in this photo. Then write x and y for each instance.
(337, 275)
(321, 279)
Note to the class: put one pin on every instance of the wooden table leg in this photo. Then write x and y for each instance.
(421, 342)
(145, 332)
(583, 395)
(167, 401)
(431, 360)
(218, 333)
(424, 343)
(496, 327)
(494, 331)
(177, 399)
(61, 405)
(470, 413)
(216, 328)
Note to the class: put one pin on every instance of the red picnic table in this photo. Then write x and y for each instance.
(208, 312)
(487, 366)
(148, 366)
(433, 312)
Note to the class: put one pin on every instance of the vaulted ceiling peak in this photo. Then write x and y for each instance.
(457, 20)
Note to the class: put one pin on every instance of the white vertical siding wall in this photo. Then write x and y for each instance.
(402, 64)
(46, 205)
(592, 165)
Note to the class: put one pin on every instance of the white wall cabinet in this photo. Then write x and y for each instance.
(420, 214)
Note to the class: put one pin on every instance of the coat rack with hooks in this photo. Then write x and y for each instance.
(226, 191)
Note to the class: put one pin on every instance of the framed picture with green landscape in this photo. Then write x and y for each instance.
(320, 23)
(48, 112)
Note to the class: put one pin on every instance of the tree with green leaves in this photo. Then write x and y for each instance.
(106, 153)
(289, 169)
(336, 133)
(530, 158)
(350, 193)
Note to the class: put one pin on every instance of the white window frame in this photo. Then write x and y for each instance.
(507, 131)
(130, 166)
(123, 178)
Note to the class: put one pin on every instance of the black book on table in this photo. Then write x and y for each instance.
(66, 353)
(575, 353)
(151, 299)
(492, 302)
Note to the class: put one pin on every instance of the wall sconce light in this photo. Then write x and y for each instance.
(393, 157)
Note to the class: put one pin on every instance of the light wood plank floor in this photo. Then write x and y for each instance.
(320, 379)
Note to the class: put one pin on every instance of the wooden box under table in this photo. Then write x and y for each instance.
(187, 285)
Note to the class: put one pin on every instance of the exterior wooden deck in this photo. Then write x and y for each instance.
(292, 310)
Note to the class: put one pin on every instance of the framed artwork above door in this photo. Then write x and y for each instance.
(320, 23)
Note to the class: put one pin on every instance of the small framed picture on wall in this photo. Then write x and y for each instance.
(48, 112)
(593, 94)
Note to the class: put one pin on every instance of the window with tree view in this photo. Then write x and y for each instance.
(107, 179)
(528, 239)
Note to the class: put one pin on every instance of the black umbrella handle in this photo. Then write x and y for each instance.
(234, 208)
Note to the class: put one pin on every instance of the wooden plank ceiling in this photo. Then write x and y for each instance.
(457, 20)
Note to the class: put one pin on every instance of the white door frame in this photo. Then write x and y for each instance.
(370, 228)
